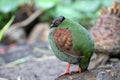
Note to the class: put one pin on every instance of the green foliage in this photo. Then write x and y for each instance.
(82, 11)
(8, 8)
(45, 4)
(48, 8)
(6, 27)
(4, 17)
(9, 5)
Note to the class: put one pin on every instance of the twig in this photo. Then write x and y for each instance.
(14, 63)
(36, 49)
(44, 58)
(25, 22)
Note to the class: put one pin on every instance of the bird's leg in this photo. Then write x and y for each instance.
(77, 71)
(67, 70)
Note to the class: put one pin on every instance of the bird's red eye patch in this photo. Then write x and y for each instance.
(57, 22)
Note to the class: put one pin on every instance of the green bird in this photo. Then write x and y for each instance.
(71, 43)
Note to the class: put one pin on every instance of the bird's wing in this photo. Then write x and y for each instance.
(63, 40)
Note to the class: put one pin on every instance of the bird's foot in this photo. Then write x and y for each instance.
(67, 70)
(77, 71)
(65, 73)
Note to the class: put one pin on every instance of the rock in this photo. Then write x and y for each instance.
(39, 66)
(106, 32)
(3, 79)
(101, 73)
(39, 33)
(16, 36)
(21, 51)
(114, 60)
(98, 60)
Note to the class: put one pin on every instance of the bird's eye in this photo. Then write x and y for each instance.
(57, 22)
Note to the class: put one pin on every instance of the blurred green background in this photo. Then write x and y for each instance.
(82, 11)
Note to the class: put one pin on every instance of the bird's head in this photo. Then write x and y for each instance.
(57, 21)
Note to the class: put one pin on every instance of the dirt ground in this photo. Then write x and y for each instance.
(30, 62)
(37, 62)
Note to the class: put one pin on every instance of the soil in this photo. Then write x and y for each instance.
(37, 62)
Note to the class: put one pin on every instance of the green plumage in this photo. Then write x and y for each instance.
(81, 40)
